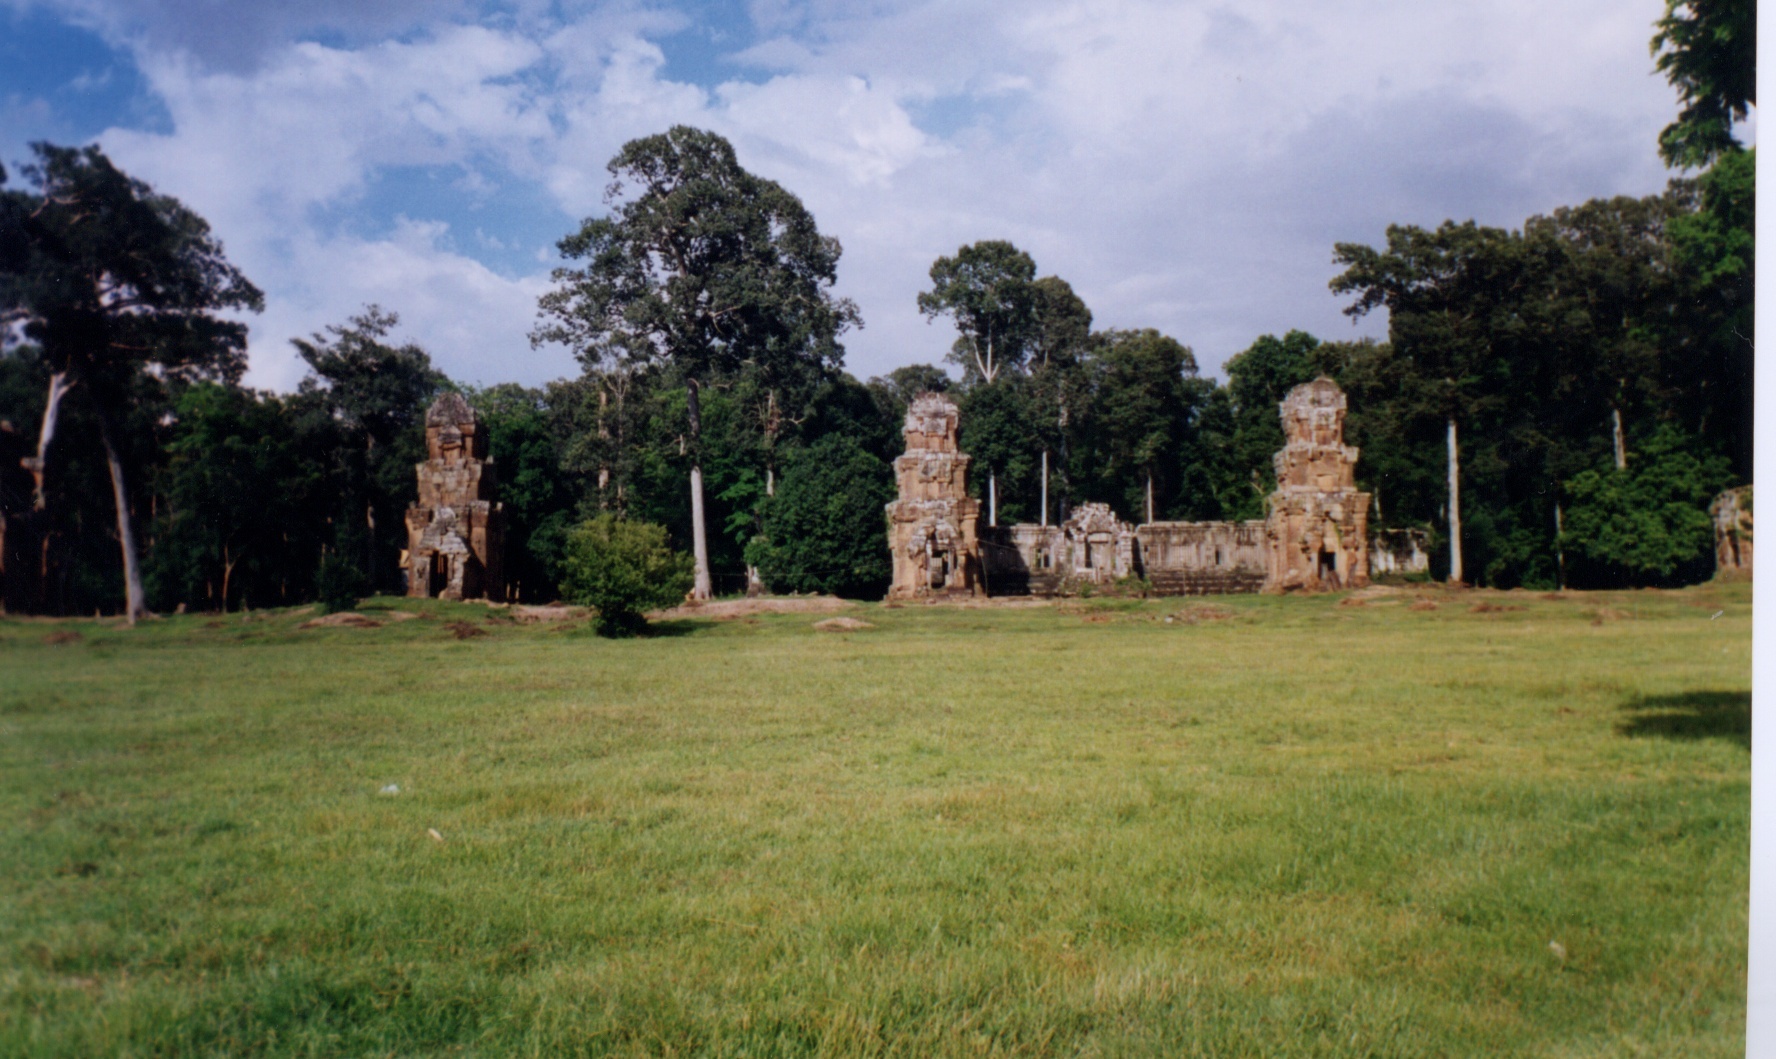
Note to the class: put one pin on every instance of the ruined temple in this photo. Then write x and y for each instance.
(933, 526)
(1318, 529)
(455, 532)
(1315, 536)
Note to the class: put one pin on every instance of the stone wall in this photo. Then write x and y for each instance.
(1202, 558)
(1398, 552)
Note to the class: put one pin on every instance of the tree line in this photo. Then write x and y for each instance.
(1555, 403)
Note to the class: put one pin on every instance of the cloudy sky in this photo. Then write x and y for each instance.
(1185, 165)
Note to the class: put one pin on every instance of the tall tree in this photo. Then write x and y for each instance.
(1452, 297)
(1059, 383)
(1258, 378)
(373, 394)
(705, 267)
(1707, 49)
(110, 279)
(1142, 418)
(989, 290)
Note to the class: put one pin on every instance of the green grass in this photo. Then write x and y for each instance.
(1269, 827)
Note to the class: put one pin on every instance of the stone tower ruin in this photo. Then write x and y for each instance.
(456, 532)
(1318, 529)
(933, 526)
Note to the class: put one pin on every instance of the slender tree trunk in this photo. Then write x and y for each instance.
(1621, 441)
(58, 389)
(992, 499)
(1045, 488)
(228, 565)
(700, 586)
(1559, 547)
(1149, 497)
(1455, 518)
(134, 606)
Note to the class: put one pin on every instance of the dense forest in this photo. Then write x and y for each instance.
(1585, 377)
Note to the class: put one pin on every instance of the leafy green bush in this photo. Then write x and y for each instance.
(1650, 522)
(824, 531)
(340, 583)
(624, 569)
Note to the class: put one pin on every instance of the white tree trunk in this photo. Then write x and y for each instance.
(992, 499)
(1621, 441)
(1045, 488)
(58, 389)
(1559, 547)
(133, 598)
(1455, 518)
(700, 587)
(1150, 497)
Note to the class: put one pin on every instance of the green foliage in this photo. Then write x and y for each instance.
(705, 269)
(1142, 416)
(824, 530)
(624, 569)
(537, 493)
(118, 288)
(1650, 521)
(236, 520)
(340, 582)
(989, 290)
(1707, 50)
(363, 408)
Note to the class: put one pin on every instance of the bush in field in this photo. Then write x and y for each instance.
(824, 530)
(624, 569)
(1650, 522)
(340, 583)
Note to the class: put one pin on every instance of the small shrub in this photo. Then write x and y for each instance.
(624, 569)
(340, 583)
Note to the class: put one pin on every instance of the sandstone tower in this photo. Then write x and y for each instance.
(932, 527)
(1318, 529)
(455, 532)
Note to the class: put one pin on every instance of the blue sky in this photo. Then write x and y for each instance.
(1185, 165)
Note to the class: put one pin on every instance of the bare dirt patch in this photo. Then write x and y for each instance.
(723, 609)
(61, 636)
(551, 612)
(1423, 604)
(1198, 615)
(462, 630)
(347, 619)
(1484, 607)
(842, 625)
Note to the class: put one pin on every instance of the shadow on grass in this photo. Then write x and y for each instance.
(672, 627)
(1691, 715)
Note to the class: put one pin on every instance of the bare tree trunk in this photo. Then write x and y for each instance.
(1045, 488)
(1150, 497)
(700, 586)
(58, 389)
(1455, 518)
(1559, 546)
(133, 604)
(992, 499)
(1621, 442)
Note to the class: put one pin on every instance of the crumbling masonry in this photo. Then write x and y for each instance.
(933, 527)
(1316, 535)
(455, 533)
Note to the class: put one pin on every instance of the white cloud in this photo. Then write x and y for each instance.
(1185, 165)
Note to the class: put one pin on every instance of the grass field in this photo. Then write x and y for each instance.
(1509, 825)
